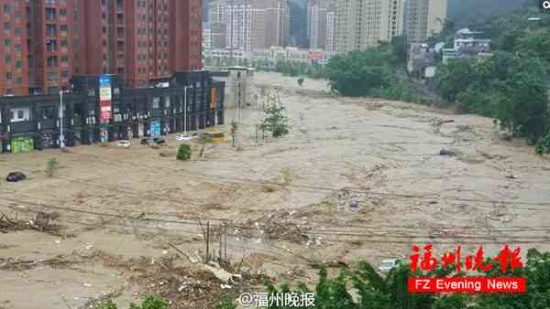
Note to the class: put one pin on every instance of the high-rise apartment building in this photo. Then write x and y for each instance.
(49, 45)
(142, 40)
(363, 23)
(13, 48)
(216, 22)
(238, 23)
(271, 23)
(330, 35)
(45, 42)
(321, 16)
(249, 24)
(424, 18)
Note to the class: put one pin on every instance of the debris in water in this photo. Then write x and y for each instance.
(448, 153)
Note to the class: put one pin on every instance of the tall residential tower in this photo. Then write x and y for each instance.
(424, 18)
(364, 23)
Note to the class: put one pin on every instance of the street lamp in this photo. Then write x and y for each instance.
(185, 111)
(61, 135)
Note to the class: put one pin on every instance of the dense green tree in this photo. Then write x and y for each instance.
(360, 72)
(377, 292)
(453, 78)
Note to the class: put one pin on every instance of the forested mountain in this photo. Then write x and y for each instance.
(465, 11)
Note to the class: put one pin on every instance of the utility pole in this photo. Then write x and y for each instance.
(231, 34)
(185, 111)
(61, 136)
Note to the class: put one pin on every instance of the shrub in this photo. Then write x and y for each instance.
(543, 146)
(51, 166)
(184, 152)
(275, 120)
(150, 302)
(226, 303)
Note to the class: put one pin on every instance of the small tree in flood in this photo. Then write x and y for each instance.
(51, 165)
(275, 120)
(184, 152)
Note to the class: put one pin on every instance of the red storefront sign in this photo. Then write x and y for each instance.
(105, 98)
(105, 110)
(315, 55)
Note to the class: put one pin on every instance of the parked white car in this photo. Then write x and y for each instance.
(124, 144)
(387, 265)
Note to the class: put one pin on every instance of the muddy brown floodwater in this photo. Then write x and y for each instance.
(354, 179)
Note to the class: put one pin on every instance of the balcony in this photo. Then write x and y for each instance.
(52, 77)
(51, 62)
(51, 45)
(47, 124)
(22, 127)
(51, 15)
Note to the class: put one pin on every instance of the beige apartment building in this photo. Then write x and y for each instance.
(361, 24)
(270, 23)
(249, 24)
(424, 18)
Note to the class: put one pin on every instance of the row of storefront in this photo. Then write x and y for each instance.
(92, 114)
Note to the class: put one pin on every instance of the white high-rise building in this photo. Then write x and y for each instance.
(249, 24)
(238, 21)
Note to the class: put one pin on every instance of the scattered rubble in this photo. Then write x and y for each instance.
(186, 287)
(40, 223)
(274, 226)
(16, 264)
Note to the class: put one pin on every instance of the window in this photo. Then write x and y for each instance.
(65, 74)
(63, 12)
(20, 80)
(6, 9)
(156, 102)
(18, 31)
(18, 65)
(7, 25)
(17, 15)
(65, 59)
(64, 43)
(7, 42)
(20, 114)
(7, 59)
(8, 75)
(63, 27)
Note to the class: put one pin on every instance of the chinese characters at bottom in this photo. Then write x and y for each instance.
(265, 300)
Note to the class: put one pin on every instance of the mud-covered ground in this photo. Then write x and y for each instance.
(355, 179)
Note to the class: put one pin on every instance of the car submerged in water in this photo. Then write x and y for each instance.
(387, 265)
(15, 177)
